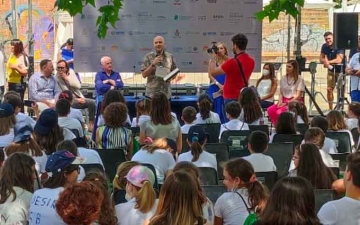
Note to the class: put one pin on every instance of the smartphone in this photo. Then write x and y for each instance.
(28, 103)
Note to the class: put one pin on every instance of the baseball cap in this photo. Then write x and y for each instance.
(22, 131)
(138, 174)
(197, 133)
(60, 160)
(6, 110)
(47, 121)
(172, 144)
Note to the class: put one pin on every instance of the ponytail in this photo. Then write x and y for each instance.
(145, 198)
(258, 195)
(195, 148)
(205, 105)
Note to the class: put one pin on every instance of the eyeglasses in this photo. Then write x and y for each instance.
(60, 68)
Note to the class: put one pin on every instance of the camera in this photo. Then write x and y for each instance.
(213, 48)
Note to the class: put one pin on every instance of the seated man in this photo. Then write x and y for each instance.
(43, 88)
(107, 79)
(67, 80)
(63, 110)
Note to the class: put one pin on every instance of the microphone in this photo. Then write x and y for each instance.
(136, 87)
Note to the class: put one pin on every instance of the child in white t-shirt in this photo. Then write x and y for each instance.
(143, 108)
(188, 115)
(329, 144)
(258, 143)
(233, 110)
(353, 115)
(205, 114)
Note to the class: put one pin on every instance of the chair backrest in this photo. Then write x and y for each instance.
(302, 128)
(185, 145)
(342, 140)
(208, 176)
(336, 171)
(238, 153)
(282, 154)
(264, 128)
(294, 138)
(267, 178)
(213, 129)
(323, 196)
(355, 134)
(93, 167)
(213, 192)
(75, 132)
(152, 168)
(221, 152)
(236, 139)
(111, 158)
(340, 156)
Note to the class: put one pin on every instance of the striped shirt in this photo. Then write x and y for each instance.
(114, 137)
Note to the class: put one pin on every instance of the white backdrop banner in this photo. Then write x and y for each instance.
(188, 26)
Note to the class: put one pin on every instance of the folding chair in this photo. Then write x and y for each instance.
(342, 140)
(213, 192)
(213, 129)
(221, 152)
(208, 176)
(342, 160)
(282, 154)
(302, 128)
(323, 196)
(236, 139)
(267, 178)
(238, 153)
(111, 158)
(294, 138)
(93, 167)
(264, 128)
(75, 132)
(185, 145)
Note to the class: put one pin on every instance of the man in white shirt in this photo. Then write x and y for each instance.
(347, 209)
(63, 109)
(233, 110)
(258, 143)
(353, 69)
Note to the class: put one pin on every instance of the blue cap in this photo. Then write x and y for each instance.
(23, 131)
(47, 121)
(60, 160)
(6, 110)
(197, 133)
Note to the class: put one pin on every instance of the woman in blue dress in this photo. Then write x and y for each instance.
(216, 85)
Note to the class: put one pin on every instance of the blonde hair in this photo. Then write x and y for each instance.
(145, 197)
(6, 124)
(160, 143)
(119, 182)
(222, 59)
(336, 121)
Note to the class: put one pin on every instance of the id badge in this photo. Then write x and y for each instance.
(161, 71)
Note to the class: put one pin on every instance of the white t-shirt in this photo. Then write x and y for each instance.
(68, 135)
(71, 123)
(261, 162)
(231, 208)
(205, 159)
(40, 162)
(233, 124)
(329, 146)
(76, 114)
(352, 123)
(23, 117)
(355, 65)
(142, 119)
(101, 120)
(7, 139)
(327, 159)
(288, 88)
(42, 207)
(16, 212)
(91, 156)
(161, 159)
(213, 118)
(345, 211)
(256, 122)
(127, 214)
(2, 69)
(186, 127)
(299, 120)
(264, 88)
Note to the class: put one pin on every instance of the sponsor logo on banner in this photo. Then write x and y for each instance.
(202, 18)
(88, 16)
(192, 32)
(192, 1)
(235, 17)
(144, 16)
(85, 32)
(182, 17)
(233, 1)
(160, 18)
(128, 49)
(177, 2)
(209, 33)
(101, 48)
(217, 17)
(125, 16)
(186, 63)
(177, 49)
(159, 1)
(117, 32)
(211, 1)
(114, 48)
(192, 49)
(227, 33)
(161, 33)
(135, 33)
(145, 49)
(177, 34)
(85, 49)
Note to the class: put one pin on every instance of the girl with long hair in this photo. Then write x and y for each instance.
(143, 108)
(337, 124)
(16, 188)
(217, 82)
(247, 195)
(196, 140)
(267, 85)
(292, 87)
(300, 112)
(309, 164)
(7, 123)
(141, 197)
(251, 112)
(179, 204)
(292, 202)
(158, 155)
(162, 123)
(107, 213)
(285, 125)
(205, 115)
(207, 205)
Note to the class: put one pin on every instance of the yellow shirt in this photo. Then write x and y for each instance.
(13, 76)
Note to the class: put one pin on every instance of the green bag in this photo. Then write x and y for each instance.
(251, 219)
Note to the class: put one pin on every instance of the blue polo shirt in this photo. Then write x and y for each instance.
(331, 54)
(102, 88)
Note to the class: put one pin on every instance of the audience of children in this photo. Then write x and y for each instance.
(205, 115)
(329, 144)
(353, 115)
(65, 121)
(188, 116)
(143, 109)
(251, 111)
(299, 110)
(7, 123)
(337, 124)
(286, 124)
(233, 110)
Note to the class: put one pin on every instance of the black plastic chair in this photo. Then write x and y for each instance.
(208, 176)
(236, 139)
(282, 154)
(93, 167)
(264, 128)
(238, 153)
(342, 140)
(185, 145)
(342, 160)
(221, 152)
(323, 196)
(267, 178)
(111, 158)
(336, 171)
(152, 168)
(355, 135)
(302, 128)
(75, 132)
(213, 130)
(293, 138)
(213, 192)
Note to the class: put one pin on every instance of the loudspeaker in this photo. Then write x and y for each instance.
(346, 27)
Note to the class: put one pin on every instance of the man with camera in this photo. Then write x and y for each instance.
(156, 65)
(237, 70)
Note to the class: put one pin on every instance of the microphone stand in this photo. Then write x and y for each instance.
(136, 87)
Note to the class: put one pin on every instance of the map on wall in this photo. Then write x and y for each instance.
(188, 26)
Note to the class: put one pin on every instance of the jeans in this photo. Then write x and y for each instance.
(355, 96)
(19, 88)
(226, 101)
(90, 104)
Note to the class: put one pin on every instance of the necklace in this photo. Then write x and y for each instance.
(287, 81)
